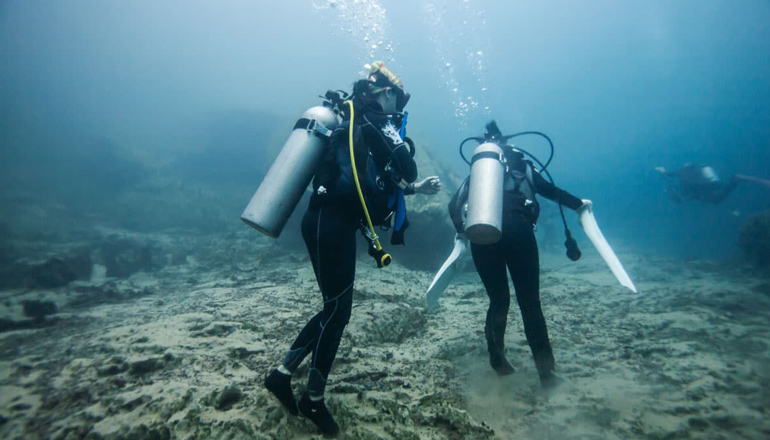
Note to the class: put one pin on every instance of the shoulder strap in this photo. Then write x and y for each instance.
(520, 178)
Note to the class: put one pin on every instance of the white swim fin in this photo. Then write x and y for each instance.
(588, 222)
(445, 274)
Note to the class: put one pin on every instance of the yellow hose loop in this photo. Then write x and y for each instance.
(375, 239)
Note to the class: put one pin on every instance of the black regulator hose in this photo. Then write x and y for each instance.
(536, 133)
(410, 143)
(511, 136)
(477, 139)
(573, 251)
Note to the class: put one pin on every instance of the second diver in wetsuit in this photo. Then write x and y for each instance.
(386, 170)
(516, 251)
(697, 182)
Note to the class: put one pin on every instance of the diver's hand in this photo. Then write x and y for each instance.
(587, 204)
(429, 185)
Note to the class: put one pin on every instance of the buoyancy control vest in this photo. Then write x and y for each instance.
(334, 178)
(519, 191)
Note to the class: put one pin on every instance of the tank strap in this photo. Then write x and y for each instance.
(486, 155)
(314, 126)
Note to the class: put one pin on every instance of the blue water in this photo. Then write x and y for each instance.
(621, 87)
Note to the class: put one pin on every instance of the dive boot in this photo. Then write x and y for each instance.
(496, 347)
(316, 411)
(279, 385)
(499, 363)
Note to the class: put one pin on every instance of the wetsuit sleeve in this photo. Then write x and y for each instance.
(552, 192)
(386, 143)
(456, 205)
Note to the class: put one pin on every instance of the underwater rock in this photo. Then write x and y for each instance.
(430, 236)
(81, 264)
(141, 432)
(124, 258)
(392, 323)
(140, 368)
(67, 398)
(755, 240)
(89, 296)
(7, 325)
(38, 309)
(229, 397)
(242, 353)
(219, 330)
(52, 273)
(116, 366)
(457, 423)
(55, 272)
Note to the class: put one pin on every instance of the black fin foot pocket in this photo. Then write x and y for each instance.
(549, 380)
(317, 412)
(279, 385)
(500, 364)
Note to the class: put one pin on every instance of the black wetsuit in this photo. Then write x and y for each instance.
(517, 250)
(698, 182)
(329, 229)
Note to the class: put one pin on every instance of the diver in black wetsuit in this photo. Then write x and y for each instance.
(335, 214)
(698, 182)
(517, 250)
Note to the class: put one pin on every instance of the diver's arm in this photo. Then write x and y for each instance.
(456, 206)
(666, 173)
(386, 143)
(430, 185)
(552, 192)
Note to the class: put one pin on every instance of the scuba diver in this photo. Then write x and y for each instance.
(702, 183)
(697, 182)
(512, 243)
(360, 182)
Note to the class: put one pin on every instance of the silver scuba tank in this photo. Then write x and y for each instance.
(484, 224)
(291, 172)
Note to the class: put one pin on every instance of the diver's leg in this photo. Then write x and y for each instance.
(278, 381)
(324, 231)
(490, 264)
(333, 252)
(524, 266)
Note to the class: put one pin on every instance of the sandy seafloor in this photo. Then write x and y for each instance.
(181, 352)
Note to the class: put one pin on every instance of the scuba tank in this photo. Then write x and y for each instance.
(494, 163)
(293, 169)
(709, 174)
(484, 224)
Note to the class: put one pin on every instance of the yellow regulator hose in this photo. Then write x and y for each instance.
(383, 259)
